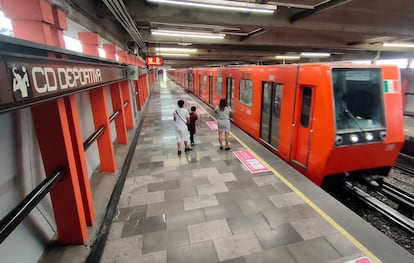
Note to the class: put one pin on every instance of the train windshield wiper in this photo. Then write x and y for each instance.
(352, 116)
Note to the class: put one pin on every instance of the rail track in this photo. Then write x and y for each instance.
(394, 215)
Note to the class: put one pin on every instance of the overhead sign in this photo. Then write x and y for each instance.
(154, 61)
(24, 83)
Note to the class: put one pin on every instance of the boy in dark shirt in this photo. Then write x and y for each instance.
(192, 124)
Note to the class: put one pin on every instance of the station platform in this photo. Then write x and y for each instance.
(242, 205)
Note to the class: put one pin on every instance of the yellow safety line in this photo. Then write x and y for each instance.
(340, 229)
(314, 206)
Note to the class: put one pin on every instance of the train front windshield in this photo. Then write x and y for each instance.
(358, 100)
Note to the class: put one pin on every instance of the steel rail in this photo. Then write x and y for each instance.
(399, 196)
(392, 214)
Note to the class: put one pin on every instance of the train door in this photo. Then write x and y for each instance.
(190, 82)
(230, 91)
(270, 118)
(210, 90)
(303, 126)
(200, 84)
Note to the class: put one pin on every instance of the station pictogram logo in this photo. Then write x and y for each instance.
(20, 83)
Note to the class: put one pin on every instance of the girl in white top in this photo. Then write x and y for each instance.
(181, 118)
(223, 122)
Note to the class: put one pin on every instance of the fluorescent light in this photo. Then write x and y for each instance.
(288, 57)
(314, 54)
(173, 54)
(398, 45)
(401, 63)
(193, 34)
(223, 4)
(174, 49)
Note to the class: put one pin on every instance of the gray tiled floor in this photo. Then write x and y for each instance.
(206, 207)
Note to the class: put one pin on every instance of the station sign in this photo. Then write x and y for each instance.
(27, 81)
(154, 61)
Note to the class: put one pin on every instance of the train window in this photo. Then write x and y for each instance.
(306, 106)
(204, 82)
(219, 85)
(246, 92)
(358, 98)
(278, 100)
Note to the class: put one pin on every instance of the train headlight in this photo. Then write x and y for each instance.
(354, 138)
(369, 136)
(339, 140)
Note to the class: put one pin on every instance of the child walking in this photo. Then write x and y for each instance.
(192, 124)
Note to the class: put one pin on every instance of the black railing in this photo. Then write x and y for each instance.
(114, 115)
(91, 139)
(16, 216)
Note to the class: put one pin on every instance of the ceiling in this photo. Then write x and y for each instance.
(347, 29)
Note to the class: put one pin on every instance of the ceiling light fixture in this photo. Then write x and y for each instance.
(314, 54)
(173, 54)
(192, 34)
(398, 45)
(288, 57)
(223, 4)
(174, 49)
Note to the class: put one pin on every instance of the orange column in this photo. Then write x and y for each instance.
(126, 95)
(137, 93)
(80, 159)
(34, 20)
(90, 42)
(60, 24)
(53, 133)
(101, 118)
(117, 101)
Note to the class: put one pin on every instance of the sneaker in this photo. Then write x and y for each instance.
(179, 152)
(227, 148)
(187, 149)
(192, 144)
(221, 147)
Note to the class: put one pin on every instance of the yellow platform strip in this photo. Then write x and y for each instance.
(340, 229)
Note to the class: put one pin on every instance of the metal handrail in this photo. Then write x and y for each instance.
(16, 216)
(114, 115)
(91, 139)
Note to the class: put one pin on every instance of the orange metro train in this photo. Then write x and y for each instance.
(325, 119)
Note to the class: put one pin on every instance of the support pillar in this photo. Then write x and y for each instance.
(117, 104)
(101, 118)
(59, 25)
(53, 134)
(35, 20)
(126, 95)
